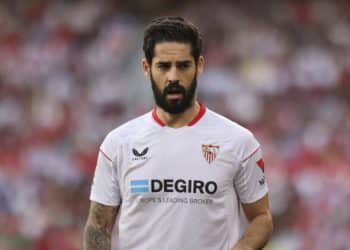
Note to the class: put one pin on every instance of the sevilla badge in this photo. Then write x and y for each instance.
(210, 152)
(261, 164)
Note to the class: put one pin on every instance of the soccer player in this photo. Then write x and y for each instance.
(179, 176)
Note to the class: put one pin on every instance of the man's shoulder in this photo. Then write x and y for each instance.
(131, 128)
(225, 125)
(241, 140)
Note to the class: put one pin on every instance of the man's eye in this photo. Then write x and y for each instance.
(183, 66)
(163, 66)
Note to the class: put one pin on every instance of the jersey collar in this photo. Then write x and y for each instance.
(199, 115)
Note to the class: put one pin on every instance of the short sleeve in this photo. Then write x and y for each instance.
(250, 182)
(105, 186)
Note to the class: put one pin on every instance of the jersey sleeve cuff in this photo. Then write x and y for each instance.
(103, 201)
(257, 197)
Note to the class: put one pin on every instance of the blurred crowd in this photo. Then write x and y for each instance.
(70, 72)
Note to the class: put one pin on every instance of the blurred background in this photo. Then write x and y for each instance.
(70, 72)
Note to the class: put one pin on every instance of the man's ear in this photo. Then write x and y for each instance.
(146, 69)
(200, 65)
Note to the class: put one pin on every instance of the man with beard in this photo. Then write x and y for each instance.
(179, 176)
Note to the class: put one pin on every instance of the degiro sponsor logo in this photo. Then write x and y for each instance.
(172, 186)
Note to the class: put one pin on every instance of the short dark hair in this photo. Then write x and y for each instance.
(171, 29)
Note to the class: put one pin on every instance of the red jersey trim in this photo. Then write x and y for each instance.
(105, 155)
(191, 123)
(198, 116)
(156, 118)
(256, 150)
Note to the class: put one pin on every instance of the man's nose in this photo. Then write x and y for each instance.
(173, 75)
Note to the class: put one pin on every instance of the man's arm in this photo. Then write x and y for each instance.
(99, 226)
(260, 225)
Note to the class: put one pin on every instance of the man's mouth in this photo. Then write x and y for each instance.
(174, 92)
(173, 96)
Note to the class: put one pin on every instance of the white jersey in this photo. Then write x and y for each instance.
(179, 188)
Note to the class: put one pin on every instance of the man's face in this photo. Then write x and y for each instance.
(173, 75)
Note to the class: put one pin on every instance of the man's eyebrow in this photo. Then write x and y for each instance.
(163, 63)
(177, 62)
(186, 62)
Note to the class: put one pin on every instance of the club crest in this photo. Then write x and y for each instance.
(261, 164)
(210, 152)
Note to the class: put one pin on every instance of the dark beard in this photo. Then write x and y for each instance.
(174, 106)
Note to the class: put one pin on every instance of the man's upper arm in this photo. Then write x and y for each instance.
(102, 216)
(105, 199)
(99, 227)
(257, 208)
(260, 225)
(105, 187)
(250, 182)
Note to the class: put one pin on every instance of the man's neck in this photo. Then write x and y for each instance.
(178, 120)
